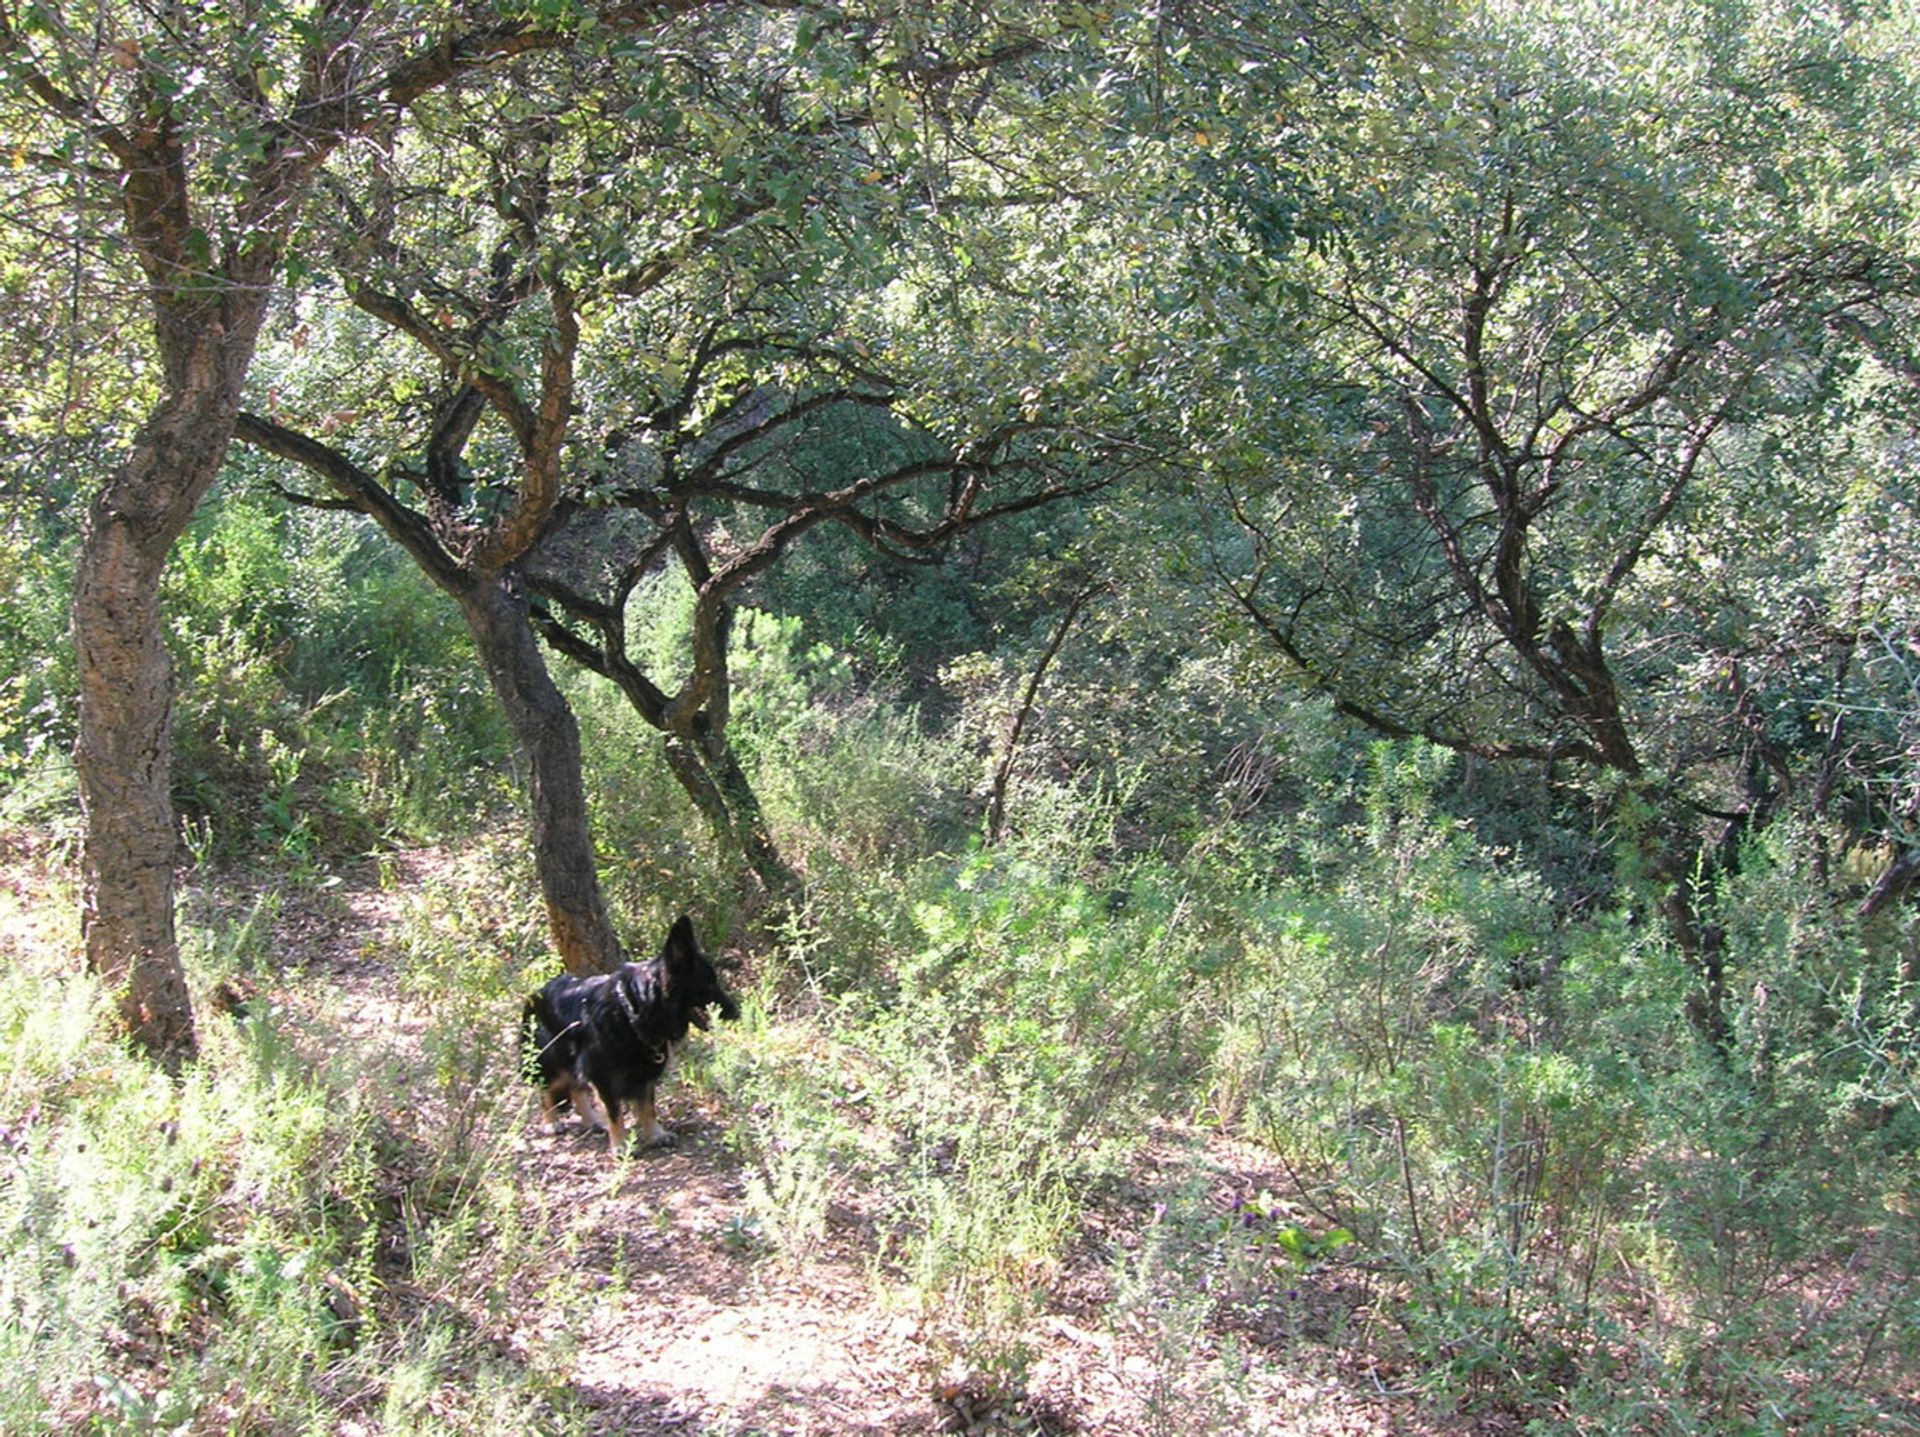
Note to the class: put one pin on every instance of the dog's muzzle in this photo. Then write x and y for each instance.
(729, 1010)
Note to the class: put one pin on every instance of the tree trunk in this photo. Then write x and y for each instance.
(493, 602)
(686, 765)
(747, 819)
(1003, 773)
(495, 609)
(695, 745)
(124, 745)
(1679, 868)
(122, 758)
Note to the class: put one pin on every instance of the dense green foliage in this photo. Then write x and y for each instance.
(1333, 581)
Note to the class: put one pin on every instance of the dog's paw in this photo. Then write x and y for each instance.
(660, 1138)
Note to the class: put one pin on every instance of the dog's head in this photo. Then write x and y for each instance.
(692, 977)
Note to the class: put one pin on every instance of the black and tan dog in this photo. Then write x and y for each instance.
(598, 1044)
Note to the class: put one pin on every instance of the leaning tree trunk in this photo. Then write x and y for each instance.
(496, 613)
(1003, 772)
(124, 745)
(686, 765)
(699, 757)
(748, 820)
(493, 603)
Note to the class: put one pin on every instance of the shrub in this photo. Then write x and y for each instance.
(1512, 1113)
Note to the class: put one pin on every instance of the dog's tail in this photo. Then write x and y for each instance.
(533, 1040)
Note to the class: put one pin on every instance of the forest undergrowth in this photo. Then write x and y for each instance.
(1311, 1135)
(1291, 1084)
(1279, 643)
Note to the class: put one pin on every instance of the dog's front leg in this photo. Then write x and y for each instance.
(656, 1136)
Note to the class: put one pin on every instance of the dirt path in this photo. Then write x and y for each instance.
(666, 1316)
(686, 1333)
(673, 1319)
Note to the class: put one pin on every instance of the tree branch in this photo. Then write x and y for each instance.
(357, 488)
(1003, 772)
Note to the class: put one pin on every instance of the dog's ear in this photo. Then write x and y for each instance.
(681, 942)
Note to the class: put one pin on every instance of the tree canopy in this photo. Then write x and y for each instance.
(1536, 385)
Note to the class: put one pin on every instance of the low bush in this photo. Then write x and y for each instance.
(250, 1246)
